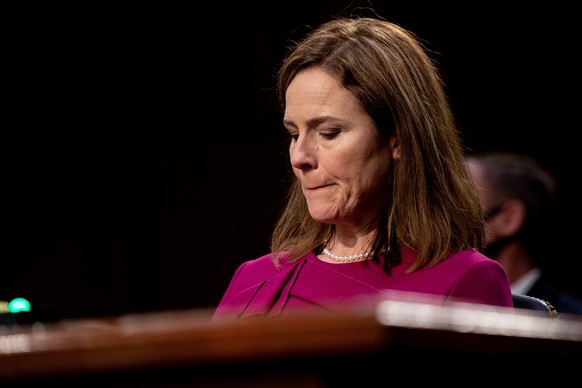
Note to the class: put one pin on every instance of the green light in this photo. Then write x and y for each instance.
(17, 305)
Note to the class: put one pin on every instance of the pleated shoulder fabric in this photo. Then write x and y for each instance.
(258, 288)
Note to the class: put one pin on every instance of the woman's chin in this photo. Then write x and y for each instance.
(324, 218)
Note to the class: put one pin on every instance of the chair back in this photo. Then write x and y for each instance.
(522, 301)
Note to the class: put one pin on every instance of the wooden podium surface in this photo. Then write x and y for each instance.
(308, 349)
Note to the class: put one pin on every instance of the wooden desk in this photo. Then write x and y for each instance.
(315, 349)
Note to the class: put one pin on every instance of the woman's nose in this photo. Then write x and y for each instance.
(302, 153)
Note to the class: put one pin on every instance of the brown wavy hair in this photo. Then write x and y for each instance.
(432, 207)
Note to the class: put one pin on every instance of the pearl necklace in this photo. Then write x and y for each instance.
(348, 259)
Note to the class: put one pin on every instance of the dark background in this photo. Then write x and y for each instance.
(140, 147)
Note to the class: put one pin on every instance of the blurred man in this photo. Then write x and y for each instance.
(518, 195)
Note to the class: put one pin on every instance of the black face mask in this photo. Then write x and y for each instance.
(492, 250)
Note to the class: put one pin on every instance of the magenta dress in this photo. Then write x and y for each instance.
(259, 289)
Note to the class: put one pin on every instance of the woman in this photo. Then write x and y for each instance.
(381, 198)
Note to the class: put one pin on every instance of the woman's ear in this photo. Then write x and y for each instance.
(395, 149)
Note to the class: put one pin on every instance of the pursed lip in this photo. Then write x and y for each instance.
(314, 188)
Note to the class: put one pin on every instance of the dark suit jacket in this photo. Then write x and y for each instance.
(562, 301)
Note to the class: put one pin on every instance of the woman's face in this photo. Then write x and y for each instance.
(335, 151)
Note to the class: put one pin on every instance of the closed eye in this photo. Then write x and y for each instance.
(329, 135)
